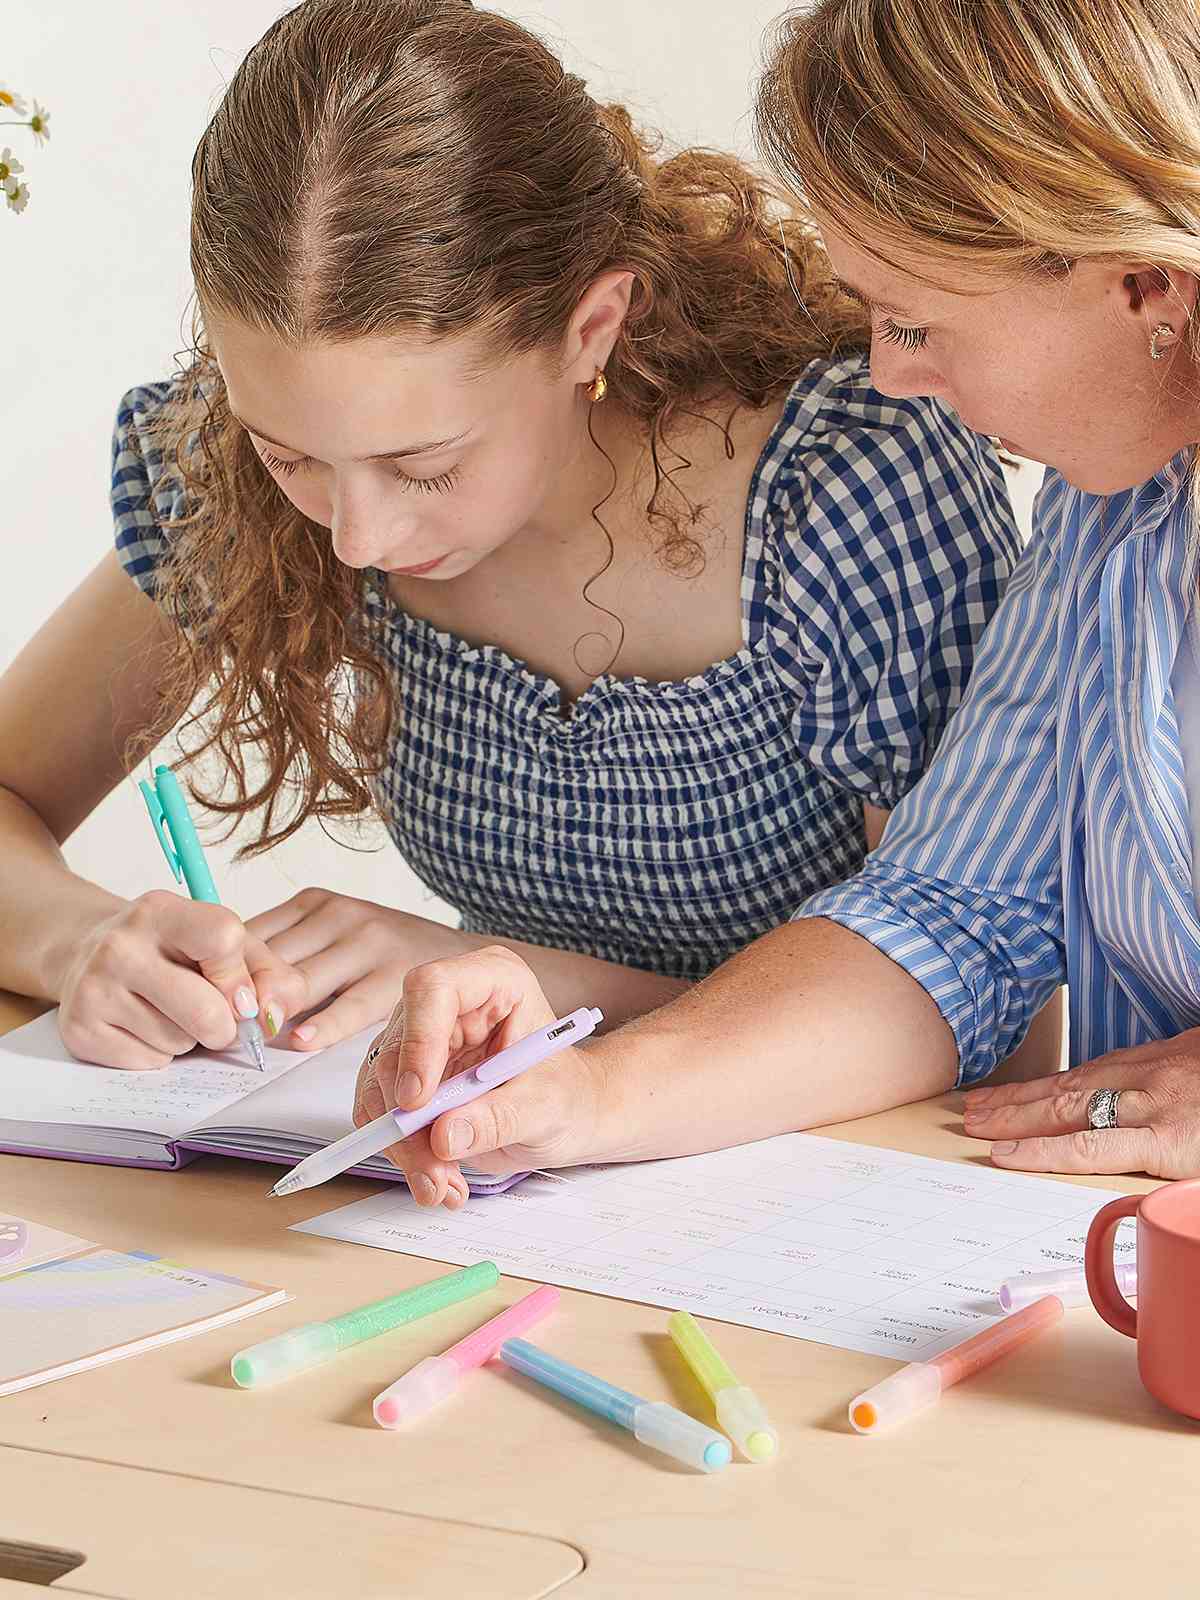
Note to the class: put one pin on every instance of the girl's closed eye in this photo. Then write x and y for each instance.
(441, 484)
(273, 463)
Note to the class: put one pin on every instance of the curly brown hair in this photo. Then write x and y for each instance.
(394, 166)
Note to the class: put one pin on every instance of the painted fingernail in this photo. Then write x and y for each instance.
(1005, 1148)
(459, 1138)
(305, 1033)
(246, 1002)
(272, 1019)
(408, 1087)
(426, 1189)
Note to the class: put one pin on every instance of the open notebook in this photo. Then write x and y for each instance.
(53, 1105)
(67, 1305)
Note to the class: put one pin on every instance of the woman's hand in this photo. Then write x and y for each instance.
(454, 1014)
(162, 974)
(1043, 1126)
(351, 951)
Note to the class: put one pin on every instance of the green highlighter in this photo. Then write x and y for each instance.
(316, 1342)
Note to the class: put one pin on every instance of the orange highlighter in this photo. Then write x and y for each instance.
(921, 1383)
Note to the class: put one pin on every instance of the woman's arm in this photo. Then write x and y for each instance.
(925, 967)
(1041, 1050)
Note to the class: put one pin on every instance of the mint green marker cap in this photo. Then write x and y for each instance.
(300, 1349)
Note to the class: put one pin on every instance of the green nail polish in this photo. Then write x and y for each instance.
(272, 1020)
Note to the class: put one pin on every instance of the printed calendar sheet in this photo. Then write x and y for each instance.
(845, 1244)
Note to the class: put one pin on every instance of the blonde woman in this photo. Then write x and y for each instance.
(1012, 189)
(505, 493)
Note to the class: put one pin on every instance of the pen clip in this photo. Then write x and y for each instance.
(162, 828)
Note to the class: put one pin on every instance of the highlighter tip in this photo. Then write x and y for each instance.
(863, 1416)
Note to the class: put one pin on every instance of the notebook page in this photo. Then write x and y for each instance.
(313, 1102)
(42, 1083)
(869, 1249)
(102, 1305)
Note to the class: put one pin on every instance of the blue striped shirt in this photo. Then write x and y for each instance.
(1050, 840)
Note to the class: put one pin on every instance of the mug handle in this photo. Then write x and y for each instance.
(1098, 1264)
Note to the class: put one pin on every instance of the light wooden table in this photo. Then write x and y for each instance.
(1051, 1474)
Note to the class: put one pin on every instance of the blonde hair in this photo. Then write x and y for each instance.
(1019, 136)
(415, 166)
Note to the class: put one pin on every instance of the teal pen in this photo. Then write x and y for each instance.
(653, 1423)
(176, 832)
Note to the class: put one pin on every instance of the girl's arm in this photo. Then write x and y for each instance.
(139, 981)
(83, 685)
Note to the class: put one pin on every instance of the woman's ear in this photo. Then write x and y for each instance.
(595, 324)
(1165, 294)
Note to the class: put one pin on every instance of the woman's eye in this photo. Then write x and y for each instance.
(442, 484)
(907, 338)
(273, 463)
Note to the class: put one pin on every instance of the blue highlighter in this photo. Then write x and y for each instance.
(180, 842)
(660, 1426)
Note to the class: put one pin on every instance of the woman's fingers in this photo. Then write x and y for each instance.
(490, 997)
(1103, 1150)
(1055, 1114)
(430, 1180)
(1020, 1094)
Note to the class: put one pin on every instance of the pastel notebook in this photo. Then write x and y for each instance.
(53, 1105)
(67, 1305)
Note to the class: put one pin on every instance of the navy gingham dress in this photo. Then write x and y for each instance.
(666, 825)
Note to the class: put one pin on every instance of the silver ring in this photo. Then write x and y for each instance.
(1102, 1108)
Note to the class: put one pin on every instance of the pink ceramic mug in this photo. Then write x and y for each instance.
(1167, 1320)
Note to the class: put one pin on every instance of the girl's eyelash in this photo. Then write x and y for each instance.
(908, 338)
(442, 484)
(273, 463)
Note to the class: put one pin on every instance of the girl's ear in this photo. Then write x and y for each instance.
(595, 324)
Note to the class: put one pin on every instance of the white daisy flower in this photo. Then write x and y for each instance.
(17, 197)
(40, 123)
(11, 102)
(9, 167)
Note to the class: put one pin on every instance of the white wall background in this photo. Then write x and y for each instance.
(94, 283)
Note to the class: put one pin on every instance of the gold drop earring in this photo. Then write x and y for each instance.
(598, 388)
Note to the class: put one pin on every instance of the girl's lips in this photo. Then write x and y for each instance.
(415, 572)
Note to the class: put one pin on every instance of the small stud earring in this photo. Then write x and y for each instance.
(598, 388)
(1163, 331)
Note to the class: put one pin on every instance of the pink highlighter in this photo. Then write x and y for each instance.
(433, 1380)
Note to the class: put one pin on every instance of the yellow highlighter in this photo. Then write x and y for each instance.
(739, 1410)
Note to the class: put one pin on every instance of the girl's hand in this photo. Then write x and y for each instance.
(351, 951)
(1043, 1126)
(454, 1014)
(163, 974)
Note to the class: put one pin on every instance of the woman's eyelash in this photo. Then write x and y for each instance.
(442, 484)
(908, 338)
